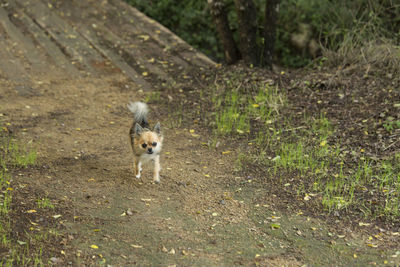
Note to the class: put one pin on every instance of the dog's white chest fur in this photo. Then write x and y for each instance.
(144, 158)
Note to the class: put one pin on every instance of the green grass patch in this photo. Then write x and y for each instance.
(391, 124)
(26, 250)
(14, 154)
(303, 153)
(44, 203)
(341, 178)
(236, 109)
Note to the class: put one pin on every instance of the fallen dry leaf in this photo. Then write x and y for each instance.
(275, 225)
(144, 37)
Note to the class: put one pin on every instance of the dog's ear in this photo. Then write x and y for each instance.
(157, 128)
(138, 129)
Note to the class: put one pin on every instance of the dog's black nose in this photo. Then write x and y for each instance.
(150, 151)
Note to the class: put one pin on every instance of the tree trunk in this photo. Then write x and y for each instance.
(269, 32)
(247, 20)
(217, 10)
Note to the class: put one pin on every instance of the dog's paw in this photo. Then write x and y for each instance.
(138, 176)
(156, 180)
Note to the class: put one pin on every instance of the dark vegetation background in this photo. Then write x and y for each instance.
(306, 29)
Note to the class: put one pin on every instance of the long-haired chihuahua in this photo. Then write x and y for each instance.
(146, 143)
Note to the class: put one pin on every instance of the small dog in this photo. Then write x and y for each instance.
(146, 144)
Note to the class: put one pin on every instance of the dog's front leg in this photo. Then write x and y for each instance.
(157, 168)
(138, 167)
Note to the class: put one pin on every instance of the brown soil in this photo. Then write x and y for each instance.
(203, 213)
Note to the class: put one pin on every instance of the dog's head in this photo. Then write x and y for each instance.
(148, 141)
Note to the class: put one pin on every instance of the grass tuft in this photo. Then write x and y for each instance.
(305, 149)
(15, 154)
(27, 249)
(238, 110)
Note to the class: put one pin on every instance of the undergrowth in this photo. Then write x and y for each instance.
(16, 252)
(348, 32)
(236, 108)
(303, 152)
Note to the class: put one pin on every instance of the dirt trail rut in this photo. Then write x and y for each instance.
(68, 70)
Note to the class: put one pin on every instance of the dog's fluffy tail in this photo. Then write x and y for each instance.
(139, 110)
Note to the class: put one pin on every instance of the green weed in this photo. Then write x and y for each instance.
(175, 119)
(44, 203)
(153, 97)
(13, 154)
(240, 161)
(305, 150)
(234, 110)
(231, 116)
(390, 124)
(5, 194)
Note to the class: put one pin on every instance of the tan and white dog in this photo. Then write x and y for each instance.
(146, 143)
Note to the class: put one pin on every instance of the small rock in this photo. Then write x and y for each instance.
(129, 212)
(55, 260)
(172, 251)
(182, 184)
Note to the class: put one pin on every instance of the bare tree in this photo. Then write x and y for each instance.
(248, 30)
(247, 21)
(269, 32)
(217, 10)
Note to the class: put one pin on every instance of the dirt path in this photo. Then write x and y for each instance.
(69, 69)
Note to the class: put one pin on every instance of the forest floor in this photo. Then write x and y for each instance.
(67, 73)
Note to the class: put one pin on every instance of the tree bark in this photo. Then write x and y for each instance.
(217, 10)
(269, 32)
(247, 20)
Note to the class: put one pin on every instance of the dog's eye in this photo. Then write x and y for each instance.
(154, 144)
(144, 145)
